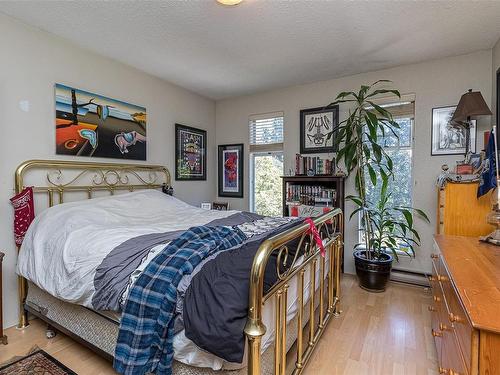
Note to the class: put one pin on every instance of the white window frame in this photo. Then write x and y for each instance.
(261, 150)
(409, 98)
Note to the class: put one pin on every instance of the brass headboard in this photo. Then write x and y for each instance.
(103, 176)
(59, 177)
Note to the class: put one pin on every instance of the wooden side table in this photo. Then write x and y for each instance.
(3, 338)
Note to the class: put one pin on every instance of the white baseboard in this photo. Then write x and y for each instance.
(408, 277)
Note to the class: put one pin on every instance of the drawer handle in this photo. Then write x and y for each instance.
(443, 327)
(436, 299)
(432, 278)
(446, 371)
(436, 333)
(442, 278)
(454, 318)
(431, 308)
(434, 256)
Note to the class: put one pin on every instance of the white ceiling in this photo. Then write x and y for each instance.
(221, 52)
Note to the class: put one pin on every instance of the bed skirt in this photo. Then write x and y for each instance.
(101, 331)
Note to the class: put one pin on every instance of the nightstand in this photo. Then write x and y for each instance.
(3, 338)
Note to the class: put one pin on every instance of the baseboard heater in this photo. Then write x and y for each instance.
(410, 277)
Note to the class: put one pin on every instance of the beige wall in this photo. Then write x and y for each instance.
(435, 83)
(31, 62)
(496, 66)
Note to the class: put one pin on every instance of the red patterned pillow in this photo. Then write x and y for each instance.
(24, 213)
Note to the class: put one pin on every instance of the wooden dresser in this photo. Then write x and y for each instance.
(460, 212)
(3, 338)
(466, 309)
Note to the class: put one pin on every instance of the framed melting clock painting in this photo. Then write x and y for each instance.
(94, 125)
(190, 153)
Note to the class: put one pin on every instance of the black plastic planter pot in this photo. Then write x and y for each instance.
(373, 274)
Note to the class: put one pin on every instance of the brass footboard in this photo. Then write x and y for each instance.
(330, 227)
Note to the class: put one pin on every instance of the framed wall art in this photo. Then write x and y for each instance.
(498, 107)
(190, 153)
(230, 162)
(446, 139)
(220, 206)
(89, 124)
(318, 127)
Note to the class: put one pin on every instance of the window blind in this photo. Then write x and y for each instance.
(266, 132)
(403, 107)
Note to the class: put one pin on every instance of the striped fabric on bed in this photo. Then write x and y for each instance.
(146, 328)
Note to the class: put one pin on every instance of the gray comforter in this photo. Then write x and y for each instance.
(212, 301)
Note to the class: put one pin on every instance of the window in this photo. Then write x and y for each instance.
(266, 163)
(400, 151)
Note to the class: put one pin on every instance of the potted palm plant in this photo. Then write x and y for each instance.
(392, 232)
(387, 228)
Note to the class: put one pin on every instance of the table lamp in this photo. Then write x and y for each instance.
(471, 104)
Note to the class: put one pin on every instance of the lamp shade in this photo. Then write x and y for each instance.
(471, 104)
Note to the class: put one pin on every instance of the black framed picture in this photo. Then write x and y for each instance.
(446, 139)
(318, 127)
(498, 106)
(190, 153)
(220, 206)
(230, 162)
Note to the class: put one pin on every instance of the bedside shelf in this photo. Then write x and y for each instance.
(3, 338)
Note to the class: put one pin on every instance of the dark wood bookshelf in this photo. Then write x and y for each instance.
(328, 182)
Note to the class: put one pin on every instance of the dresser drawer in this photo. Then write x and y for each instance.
(438, 310)
(453, 320)
(462, 327)
(437, 264)
(452, 362)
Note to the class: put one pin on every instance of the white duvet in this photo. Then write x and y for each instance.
(66, 243)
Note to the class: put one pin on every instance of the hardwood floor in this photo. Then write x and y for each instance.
(387, 334)
(378, 333)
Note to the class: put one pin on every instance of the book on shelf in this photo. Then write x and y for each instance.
(310, 195)
(305, 165)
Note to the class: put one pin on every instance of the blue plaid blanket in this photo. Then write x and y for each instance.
(145, 339)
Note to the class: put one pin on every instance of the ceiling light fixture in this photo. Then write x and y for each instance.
(229, 2)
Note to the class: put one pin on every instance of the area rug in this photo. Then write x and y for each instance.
(35, 363)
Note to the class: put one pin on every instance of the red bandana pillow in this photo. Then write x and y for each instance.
(24, 213)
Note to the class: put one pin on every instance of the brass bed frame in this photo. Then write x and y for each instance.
(90, 177)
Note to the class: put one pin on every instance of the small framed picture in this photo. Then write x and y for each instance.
(206, 206)
(446, 139)
(318, 127)
(190, 153)
(230, 161)
(220, 206)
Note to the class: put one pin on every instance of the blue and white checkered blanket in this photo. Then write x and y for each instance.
(145, 339)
